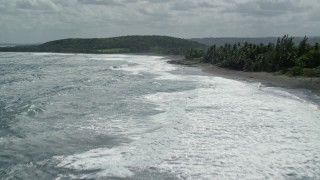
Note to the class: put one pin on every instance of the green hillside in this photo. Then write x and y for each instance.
(124, 44)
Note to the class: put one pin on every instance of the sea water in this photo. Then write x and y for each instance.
(84, 116)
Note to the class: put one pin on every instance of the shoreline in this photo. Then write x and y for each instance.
(267, 79)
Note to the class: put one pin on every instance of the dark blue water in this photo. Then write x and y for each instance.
(68, 116)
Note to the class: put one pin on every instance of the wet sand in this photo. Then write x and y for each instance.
(268, 79)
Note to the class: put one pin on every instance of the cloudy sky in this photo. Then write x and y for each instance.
(33, 21)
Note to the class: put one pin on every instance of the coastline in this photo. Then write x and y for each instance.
(267, 79)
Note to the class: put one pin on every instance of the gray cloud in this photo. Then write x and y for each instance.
(35, 5)
(101, 2)
(191, 5)
(43, 20)
(281, 6)
(157, 1)
(266, 8)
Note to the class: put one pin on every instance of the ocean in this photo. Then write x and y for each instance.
(85, 116)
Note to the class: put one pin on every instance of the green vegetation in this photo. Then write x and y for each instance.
(283, 56)
(124, 44)
(113, 50)
(194, 53)
(220, 41)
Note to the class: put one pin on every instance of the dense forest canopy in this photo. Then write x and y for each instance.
(283, 56)
(220, 41)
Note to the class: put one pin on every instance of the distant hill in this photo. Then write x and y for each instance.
(124, 44)
(7, 45)
(233, 40)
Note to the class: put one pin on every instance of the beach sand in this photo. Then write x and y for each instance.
(267, 79)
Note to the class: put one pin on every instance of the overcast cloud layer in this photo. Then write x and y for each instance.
(30, 21)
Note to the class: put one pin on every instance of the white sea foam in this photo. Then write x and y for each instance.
(227, 135)
(221, 129)
(53, 54)
(144, 64)
(108, 159)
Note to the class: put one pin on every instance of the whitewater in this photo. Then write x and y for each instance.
(84, 116)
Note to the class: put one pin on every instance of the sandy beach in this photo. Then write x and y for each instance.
(268, 79)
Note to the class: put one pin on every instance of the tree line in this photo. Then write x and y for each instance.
(283, 56)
